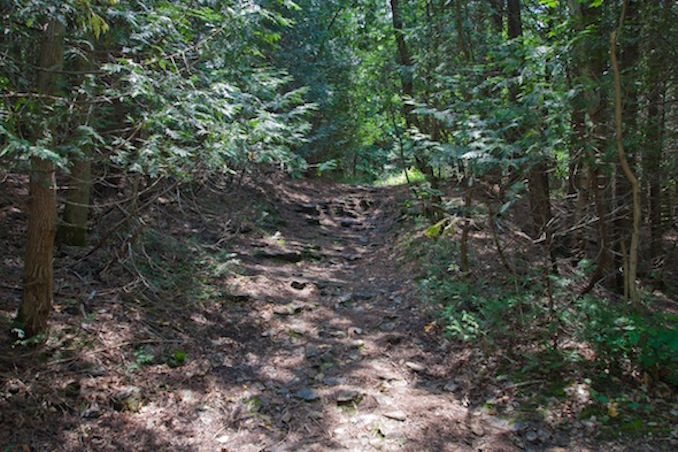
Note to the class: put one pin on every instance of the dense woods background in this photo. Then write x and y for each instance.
(561, 113)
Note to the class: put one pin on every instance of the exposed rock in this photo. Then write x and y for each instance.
(396, 415)
(364, 296)
(333, 381)
(93, 411)
(451, 386)
(281, 255)
(128, 398)
(299, 329)
(306, 395)
(417, 367)
(531, 436)
(349, 222)
(309, 209)
(347, 397)
(477, 428)
(299, 285)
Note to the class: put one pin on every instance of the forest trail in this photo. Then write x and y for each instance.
(332, 353)
(308, 337)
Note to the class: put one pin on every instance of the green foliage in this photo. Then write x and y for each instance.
(189, 82)
(648, 342)
(501, 311)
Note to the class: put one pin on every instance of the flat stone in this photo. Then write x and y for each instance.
(352, 257)
(315, 415)
(451, 386)
(127, 399)
(281, 255)
(417, 367)
(364, 296)
(396, 415)
(92, 412)
(299, 329)
(388, 376)
(306, 395)
(346, 397)
(477, 429)
(333, 381)
(286, 309)
(349, 222)
(311, 351)
(309, 209)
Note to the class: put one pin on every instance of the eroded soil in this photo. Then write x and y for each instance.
(309, 336)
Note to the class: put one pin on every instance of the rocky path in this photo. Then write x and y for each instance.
(339, 359)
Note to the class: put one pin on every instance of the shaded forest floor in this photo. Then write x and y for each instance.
(284, 317)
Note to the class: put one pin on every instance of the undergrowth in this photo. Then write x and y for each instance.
(168, 268)
(555, 330)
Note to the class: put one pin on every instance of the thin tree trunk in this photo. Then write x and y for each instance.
(630, 276)
(464, 264)
(73, 229)
(538, 184)
(498, 15)
(654, 135)
(431, 205)
(460, 30)
(38, 272)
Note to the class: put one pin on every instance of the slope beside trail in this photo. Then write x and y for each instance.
(313, 339)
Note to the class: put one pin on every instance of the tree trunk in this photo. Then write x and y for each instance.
(38, 272)
(623, 198)
(460, 30)
(654, 133)
(405, 62)
(406, 78)
(590, 62)
(515, 23)
(538, 184)
(73, 229)
(631, 268)
(498, 16)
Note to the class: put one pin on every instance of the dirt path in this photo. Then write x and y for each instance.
(314, 340)
(331, 354)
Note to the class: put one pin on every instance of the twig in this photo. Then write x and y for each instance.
(11, 287)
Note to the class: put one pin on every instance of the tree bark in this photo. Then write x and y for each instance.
(515, 23)
(38, 272)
